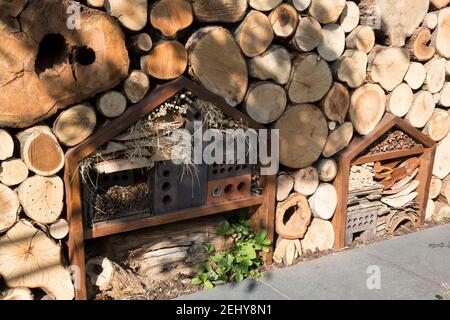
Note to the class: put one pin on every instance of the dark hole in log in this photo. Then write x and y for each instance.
(288, 214)
(241, 186)
(84, 56)
(228, 189)
(53, 50)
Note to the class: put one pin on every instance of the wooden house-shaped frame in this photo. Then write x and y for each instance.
(352, 156)
(261, 208)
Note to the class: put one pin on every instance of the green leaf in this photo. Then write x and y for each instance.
(208, 284)
(239, 277)
(261, 235)
(266, 242)
(203, 277)
(225, 228)
(196, 281)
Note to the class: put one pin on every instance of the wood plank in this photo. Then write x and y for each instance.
(388, 155)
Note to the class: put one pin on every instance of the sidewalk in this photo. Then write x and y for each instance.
(411, 267)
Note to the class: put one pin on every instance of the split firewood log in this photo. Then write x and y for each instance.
(438, 126)
(42, 198)
(351, 68)
(19, 294)
(349, 18)
(6, 145)
(264, 5)
(400, 100)
(13, 172)
(332, 43)
(265, 102)
(303, 133)
(327, 169)
(40, 151)
(397, 19)
(140, 43)
(308, 35)
(274, 64)
(435, 78)
(442, 33)
(284, 20)
(421, 110)
(326, 11)
(285, 184)
(286, 251)
(171, 16)
(132, 14)
(314, 86)
(338, 140)
(320, 236)
(367, 107)
(324, 201)
(306, 181)
(418, 45)
(227, 11)
(336, 103)
(435, 187)
(388, 66)
(293, 217)
(10, 208)
(167, 60)
(415, 77)
(59, 229)
(24, 248)
(361, 38)
(112, 104)
(441, 167)
(255, 34)
(75, 124)
(136, 86)
(227, 76)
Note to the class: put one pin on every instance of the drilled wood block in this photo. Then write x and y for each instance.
(230, 189)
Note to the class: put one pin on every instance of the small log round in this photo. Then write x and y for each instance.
(431, 207)
(338, 140)
(293, 217)
(435, 79)
(301, 5)
(431, 20)
(326, 11)
(274, 64)
(438, 127)
(308, 34)
(421, 110)
(327, 169)
(336, 103)
(442, 33)
(6, 145)
(9, 204)
(324, 201)
(13, 172)
(136, 86)
(227, 11)
(415, 77)
(435, 187)
(284, 20)
(361, 38)
(17, 294)
(349, 18)
(400, 100)
(332, 43)
(306, 181)
(59, 229)
(285, 184)
(265, 102)
(167, 60)
(171, 16)
(96, 3)
(320, 236)
(132, 14)
(444, 96)
(140, 43)
(418, 45)
(367, 107)
(351, 67)
(254, 35)
(264, 5)
(112, 104)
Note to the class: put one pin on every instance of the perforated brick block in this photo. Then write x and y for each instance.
(363, 223)
(224, 171)
(230, 189)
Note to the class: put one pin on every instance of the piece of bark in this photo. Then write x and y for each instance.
(435, 187)
(405, 191)
(140, 43)
(326, 11)
(265, 102)
(284, 20)
(293, 217)
(42, 198)
(10, 208)
(361, 38)
(401, 183)
(320, 236)
(397, 19)
(301, 5)
(400, 201)
(444, 95)
(332, 43)
(442, 33)
(421, 110)
(327, 169)
(308, 34)
(112, 104)
(227, 11)
(132, 14)
(42, 256)
(338, 140)
(75, 124)
(351, 67)
(400, 100)
(6, 145)
(310, 79)
(274, 64)
(13, 172)
(388, 66)
(438, 126)
(336, 103)
(324, 201)
(435, 79)
(16, 294)
(40, 151)
(59, 229)
(367, 107)
(441, 167)
(415, 77)
(254, 35)
(285, 184)
(264, 5)
(171, 16)
(167, 60)
(63, 67)
(136, 86)
(227, 76)
(418, 45)
(303, 133)
(306, 181)
(349, 18)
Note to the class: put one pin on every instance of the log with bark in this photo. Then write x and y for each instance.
(274, 64)
(136, 86)
(265, 102)
(140, 43)
(293, 217)
(255, 34)
(171, 16)
(418, 45)
(306, 181)
(111, 104)
(167, 60)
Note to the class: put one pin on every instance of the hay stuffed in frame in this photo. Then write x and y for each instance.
(124, 177)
